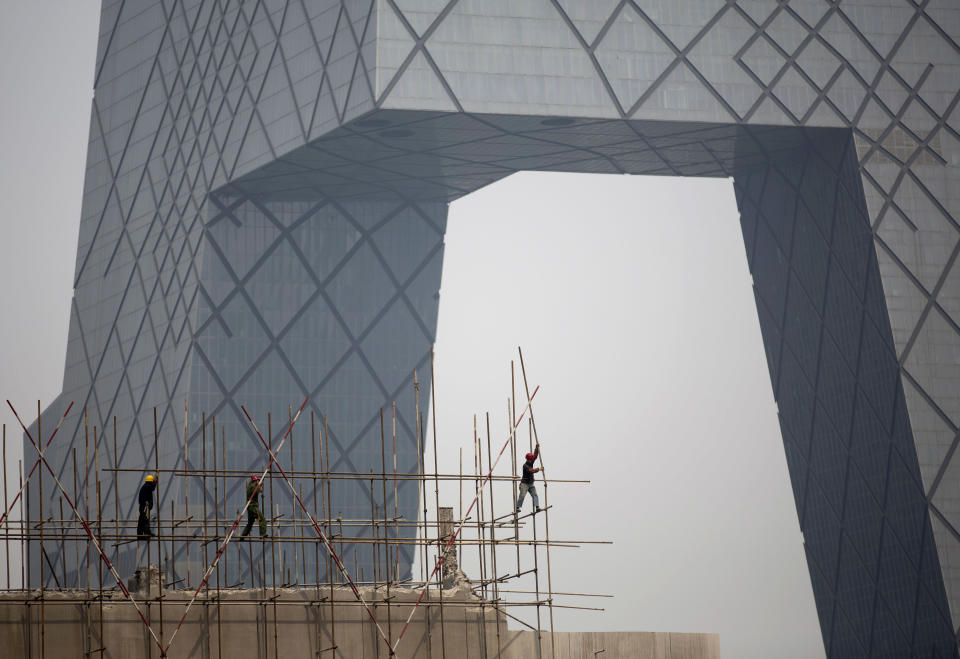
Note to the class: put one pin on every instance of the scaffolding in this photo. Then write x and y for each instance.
(309, 544)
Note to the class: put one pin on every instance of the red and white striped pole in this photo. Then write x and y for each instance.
(323, 537)
(86, 527)
(36, 462)
(233, 528)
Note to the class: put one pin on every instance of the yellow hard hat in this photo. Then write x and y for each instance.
(151, 478)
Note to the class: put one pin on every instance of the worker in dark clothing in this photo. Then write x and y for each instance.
(145, 504)
(526, 481)
(253, 508)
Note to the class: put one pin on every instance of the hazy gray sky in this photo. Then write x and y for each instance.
(632, 301)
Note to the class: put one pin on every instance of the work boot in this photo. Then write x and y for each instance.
(537, 509)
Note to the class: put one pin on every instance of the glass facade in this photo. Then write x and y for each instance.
(266, 196)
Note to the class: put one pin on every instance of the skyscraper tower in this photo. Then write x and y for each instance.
(266, 195)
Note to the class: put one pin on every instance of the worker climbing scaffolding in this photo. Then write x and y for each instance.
(253, 508)
(526, 480)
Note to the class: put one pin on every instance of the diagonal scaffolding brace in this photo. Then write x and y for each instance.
(323, 537)
(36, 463)
(86, 528)
(233, 527)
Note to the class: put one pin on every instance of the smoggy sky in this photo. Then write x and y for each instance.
(631, 299)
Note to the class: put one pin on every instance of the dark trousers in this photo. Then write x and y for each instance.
(143, 522)
(254, 514)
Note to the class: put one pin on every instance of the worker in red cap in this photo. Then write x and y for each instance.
(526, 481)
(253, 508)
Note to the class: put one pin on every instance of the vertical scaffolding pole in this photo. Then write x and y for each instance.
(86, 489)
(43, 613)
(96, 463)
(546, 505)
(436, 491)
(481, 531)
(422, 484)
(186, 495)
(204, 533)
(536, 559)
(386, 528)
(477, 468)
(270, 520)
(460, 516)
(326, 451)
(63, 545)
(216, 533)
(396, 505)
(156, 467)
(325, 466)
(273, 534)
(512, 413)
(493, 539)
(293, 507)
(313, 481)
(6, 508)
(116, 492)
(76, 497)
(23, 549)
(203, 486)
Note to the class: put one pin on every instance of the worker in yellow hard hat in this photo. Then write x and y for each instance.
(145, 503)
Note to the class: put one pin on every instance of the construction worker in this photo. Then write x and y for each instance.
(526, 481)
(253, 508)
(145, 504)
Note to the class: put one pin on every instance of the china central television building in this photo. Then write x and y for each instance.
(266, 196)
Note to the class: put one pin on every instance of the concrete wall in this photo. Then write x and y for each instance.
(603, 645)
(297, 623)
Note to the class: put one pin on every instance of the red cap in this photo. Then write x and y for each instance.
(531, 456)
(254, 478)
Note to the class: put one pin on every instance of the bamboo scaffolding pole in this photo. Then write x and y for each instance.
(481, 545)
(493, 537)
(536, 561)
(436, 491)
(96, 462)
(395, 554)
(116, 491)
(481, 528)
(326, 453)
(460, 508)
(63, 546)
(546, 503)
(341, 475)
(24, 555)
(43, 609)
(186, 482)
(124, 538)
(156, 466)
(260, 601)
(6, 507)
(386, 533)
(421, 484)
